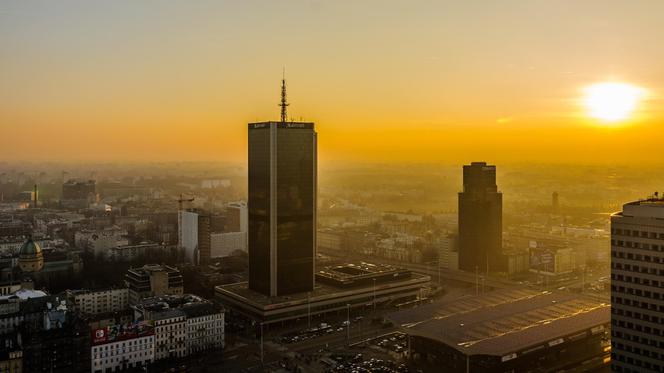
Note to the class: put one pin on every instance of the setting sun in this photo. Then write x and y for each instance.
(612, 102)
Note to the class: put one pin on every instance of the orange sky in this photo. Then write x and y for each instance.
(384, 80)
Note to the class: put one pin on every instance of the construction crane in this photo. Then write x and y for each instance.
(182, 199)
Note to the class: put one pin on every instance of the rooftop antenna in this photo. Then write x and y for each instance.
(283, 103)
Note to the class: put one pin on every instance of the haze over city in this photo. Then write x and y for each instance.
(435, 81)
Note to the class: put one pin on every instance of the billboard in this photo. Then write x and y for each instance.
(542, 260)
(121, 332)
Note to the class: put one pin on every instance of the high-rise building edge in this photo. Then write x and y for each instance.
(282, 205)
(637, 287)
(480, 220)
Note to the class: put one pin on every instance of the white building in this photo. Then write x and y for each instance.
(205, 327)
(170, 328)
(100, 240)
(188, 235)
(223, 244)
(100, 301)
(120, 347)
(184, 324)
(448, 252)
(128, 253)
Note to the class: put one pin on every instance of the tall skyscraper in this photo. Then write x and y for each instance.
(637, 280)
(282, 205)
(480, 220)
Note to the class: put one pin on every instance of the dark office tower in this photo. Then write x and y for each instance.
(480, 220)
(555, 202)
(637, 278)
(282, 206)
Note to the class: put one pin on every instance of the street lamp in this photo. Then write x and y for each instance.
(438, 269)
(309, 310)
(374, 295)
(477, 281)
(348, 323)
(262, 361)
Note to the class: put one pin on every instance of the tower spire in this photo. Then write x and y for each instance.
(283, 103)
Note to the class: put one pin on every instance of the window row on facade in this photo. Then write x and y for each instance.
(631, 361)
(643, 347)
(637, 304)
(636, 280)
(638, 327)
(635, 245)
(637, 233)
(637, 292)
(638, 268)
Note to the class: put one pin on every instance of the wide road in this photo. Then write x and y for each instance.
(359, 331)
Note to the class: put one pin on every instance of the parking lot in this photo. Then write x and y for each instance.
(318, 331)
(357, 364)
(394, 342)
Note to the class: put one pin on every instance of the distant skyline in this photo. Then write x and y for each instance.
(384, 80)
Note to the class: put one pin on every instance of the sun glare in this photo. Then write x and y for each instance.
(612, 102)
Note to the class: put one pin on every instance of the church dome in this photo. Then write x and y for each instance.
(30, 248)
(30, 257)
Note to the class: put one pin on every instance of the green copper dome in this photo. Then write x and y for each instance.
(30, 248)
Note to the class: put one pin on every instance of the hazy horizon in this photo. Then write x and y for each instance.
(383, 81)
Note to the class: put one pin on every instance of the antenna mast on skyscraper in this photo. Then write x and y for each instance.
(283, 103)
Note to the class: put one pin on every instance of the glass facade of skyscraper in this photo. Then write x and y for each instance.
(480, 220)
(282, 207)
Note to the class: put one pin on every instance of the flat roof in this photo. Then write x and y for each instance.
(167, 313)
(200, 309)
(289, 124)
(354, 274)
(321, 292)
(505, 321)
(647, 208)
(151, 268)
(169, 301)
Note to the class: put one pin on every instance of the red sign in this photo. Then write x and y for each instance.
(121, 332)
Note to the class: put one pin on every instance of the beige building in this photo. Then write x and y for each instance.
(448, 253)
(205, 327)
(224, 244)
(100, 301)
(184, 324)
(153, 280)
